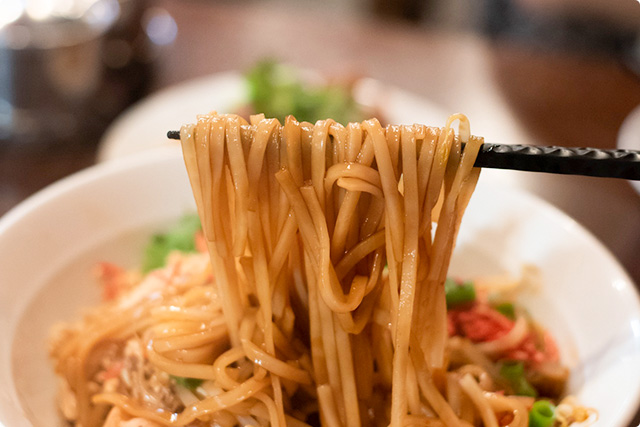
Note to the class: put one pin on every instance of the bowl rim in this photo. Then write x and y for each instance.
(81, 178)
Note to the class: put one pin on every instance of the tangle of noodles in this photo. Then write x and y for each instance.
(329, 246)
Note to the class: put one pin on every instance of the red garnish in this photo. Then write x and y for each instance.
(480, 323)
(112, 278)
(201, 242)
(112, 372)
(529, 351)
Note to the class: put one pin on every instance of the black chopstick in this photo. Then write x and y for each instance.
(550, 159)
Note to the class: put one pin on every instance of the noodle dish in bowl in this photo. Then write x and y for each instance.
(309, 274)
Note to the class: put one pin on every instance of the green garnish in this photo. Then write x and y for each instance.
(178, 238)
(542, 414)
(188, 383)
(458, 294)
(507, 309)
(277, 91)
(513, 372)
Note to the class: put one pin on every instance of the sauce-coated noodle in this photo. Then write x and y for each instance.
(330, 247)
(358, 196)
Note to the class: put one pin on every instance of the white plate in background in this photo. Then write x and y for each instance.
(50, 243)
(145, 124)
(629, 136)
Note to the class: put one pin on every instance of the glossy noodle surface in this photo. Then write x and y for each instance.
(318, 296)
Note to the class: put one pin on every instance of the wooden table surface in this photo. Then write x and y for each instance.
(512, 93)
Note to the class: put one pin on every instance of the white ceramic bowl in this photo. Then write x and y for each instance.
(144, 126)
(49, 244)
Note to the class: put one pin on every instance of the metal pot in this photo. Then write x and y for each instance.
(69, 65)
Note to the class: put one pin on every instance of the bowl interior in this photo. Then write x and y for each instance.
(50, 243)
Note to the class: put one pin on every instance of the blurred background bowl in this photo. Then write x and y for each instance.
(629, 136)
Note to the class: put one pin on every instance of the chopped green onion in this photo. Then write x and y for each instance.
(542, 414)
(459, 293)
(178, 238)
(507, 309)
(513, 372)
(188, 383)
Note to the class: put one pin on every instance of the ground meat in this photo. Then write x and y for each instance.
(142, 381)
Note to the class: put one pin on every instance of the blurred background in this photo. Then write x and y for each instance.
(545, 72)
(85, 81)
(68, 68)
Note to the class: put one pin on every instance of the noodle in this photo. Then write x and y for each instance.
(330, 246)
